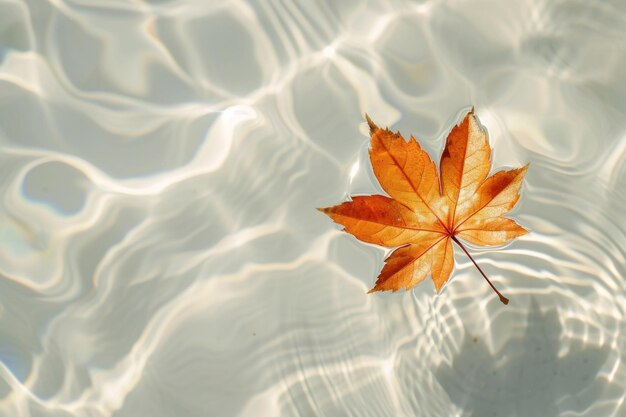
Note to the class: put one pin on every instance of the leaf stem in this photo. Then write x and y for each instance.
(502, 297)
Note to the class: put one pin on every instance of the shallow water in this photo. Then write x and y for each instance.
(160, 254)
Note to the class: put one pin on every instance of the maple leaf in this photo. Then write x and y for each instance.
(424, 215)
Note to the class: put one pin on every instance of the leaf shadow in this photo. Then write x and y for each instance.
(529, 376)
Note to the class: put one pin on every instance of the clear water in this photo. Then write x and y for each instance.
(160, 254)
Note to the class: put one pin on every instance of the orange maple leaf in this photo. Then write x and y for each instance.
(424, 216)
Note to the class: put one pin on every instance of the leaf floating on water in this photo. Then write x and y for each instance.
(427, 211)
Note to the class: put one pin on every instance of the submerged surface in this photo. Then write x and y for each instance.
(160, 251)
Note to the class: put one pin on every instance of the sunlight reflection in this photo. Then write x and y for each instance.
(160, 251)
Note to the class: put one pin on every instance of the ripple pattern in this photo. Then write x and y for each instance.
(160, 162)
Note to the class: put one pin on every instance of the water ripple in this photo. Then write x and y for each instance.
(159, 249)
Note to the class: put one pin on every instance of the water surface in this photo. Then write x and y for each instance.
(160, 251)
